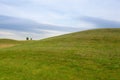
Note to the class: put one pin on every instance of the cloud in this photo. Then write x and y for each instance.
(101, 23)
(5, 33)
(24, 27)
(19, 24)
(37, 13)
(60, 12)
(14, 2)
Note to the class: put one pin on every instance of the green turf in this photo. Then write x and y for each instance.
(86, 55)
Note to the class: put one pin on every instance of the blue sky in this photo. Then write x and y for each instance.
(45, 18)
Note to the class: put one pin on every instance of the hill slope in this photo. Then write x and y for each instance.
(4, 43)
(87, 55)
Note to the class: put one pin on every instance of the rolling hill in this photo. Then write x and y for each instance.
(4, 43)
(86, 55)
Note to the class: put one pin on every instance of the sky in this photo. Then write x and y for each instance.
(46, 18)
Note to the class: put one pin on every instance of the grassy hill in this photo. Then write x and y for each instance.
(86, 55)
(7, 43)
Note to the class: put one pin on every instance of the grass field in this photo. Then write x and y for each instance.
(86, 55)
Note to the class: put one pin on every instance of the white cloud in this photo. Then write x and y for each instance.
(6, 33)
(11, 11)
(60, 12)
(41, 16)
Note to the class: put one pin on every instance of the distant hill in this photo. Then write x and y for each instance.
(86, 55)
(7, 41)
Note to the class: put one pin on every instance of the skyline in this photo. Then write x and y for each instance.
(44, 18)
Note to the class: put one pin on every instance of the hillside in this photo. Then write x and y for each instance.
(86, 55)
(4, 43)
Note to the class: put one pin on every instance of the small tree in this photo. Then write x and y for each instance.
(27, 38)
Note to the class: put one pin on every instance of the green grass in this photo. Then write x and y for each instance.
(8, 43)
(5, 43)
(86, 55)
